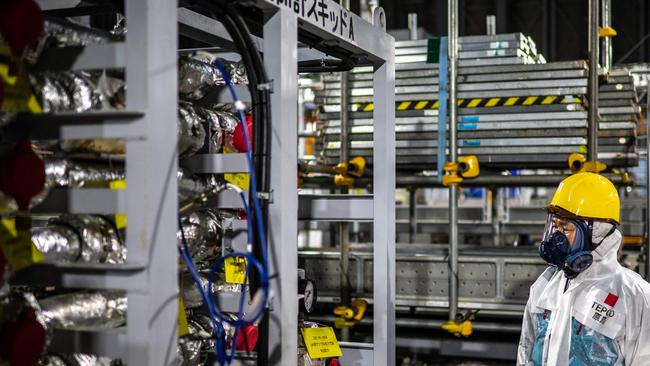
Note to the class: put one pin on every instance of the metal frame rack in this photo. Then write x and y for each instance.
(149, 56)
(281, 33)
(148, 127)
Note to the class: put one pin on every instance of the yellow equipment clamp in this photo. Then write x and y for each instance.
(578, 163)
(604, 32)
(348, 316)
(462, 327)
(347, 172)
(466, 168)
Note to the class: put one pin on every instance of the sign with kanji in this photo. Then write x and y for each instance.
(325, 14)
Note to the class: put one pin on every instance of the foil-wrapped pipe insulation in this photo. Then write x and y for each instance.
(93, 146)
(191, 346)
(228, 122)
(57, 243)
(202, 230)
(213, 131)
(78, 91)
(28, 324)
(80, 238)
(60, 33)
(191, 134)
(190, 186)
(78, 359)
(66, 91)
(196, 78)
(67, 173)
(201, 328)
(85, 310)
(191, 294)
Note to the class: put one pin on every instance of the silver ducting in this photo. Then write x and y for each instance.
(196, 78)
(78, 91)
(228, 122)
(189, 186)
(66, 91)
(66, 34)
(85, 310)
(189, 347)
(94, 146)
(78, 359)
(57, 243)
(191, 134)
(202, 231)
(214, 132)
(191, 295)
(66, 173)
(80, 238)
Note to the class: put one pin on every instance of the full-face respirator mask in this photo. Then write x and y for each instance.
(567, 244)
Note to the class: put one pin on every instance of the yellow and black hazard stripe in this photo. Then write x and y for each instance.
(418, 105)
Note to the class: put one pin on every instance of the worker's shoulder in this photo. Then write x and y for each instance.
(545, 277)
(634, 284)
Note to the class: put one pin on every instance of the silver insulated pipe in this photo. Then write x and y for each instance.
(85, 310)
(80, 238)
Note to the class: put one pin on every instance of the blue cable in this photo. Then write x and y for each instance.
(213, 310)
(256, 206)
(249, 159)
(218, 330)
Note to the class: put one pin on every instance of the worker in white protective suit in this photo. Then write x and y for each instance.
(585, 309)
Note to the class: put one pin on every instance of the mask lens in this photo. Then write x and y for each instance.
(556, 223)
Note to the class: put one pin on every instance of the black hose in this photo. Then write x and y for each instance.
(257, 76)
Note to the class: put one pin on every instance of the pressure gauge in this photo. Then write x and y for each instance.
(306, 295)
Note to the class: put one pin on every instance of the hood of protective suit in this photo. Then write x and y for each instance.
(606, 254)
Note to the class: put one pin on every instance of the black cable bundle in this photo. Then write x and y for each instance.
(259, 88)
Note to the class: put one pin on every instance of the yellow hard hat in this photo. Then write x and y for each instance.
(587, 196)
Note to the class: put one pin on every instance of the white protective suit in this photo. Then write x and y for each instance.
(601, 317)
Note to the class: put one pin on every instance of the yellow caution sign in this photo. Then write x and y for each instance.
(235, 269)
(183, 328)
(241, 180)
(17, 246)
(321, 342)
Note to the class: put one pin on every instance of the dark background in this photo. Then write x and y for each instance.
(558, 27)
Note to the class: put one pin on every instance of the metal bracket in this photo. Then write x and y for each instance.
(266, 86)
(379, 17)
(266, 196)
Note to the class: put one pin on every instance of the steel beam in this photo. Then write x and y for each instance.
(280, 61)
(384, 207)
(453, 156)
(592, 144)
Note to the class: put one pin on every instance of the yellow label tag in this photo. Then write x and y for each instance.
(117, 184)
(7, 78)
(120, 218)
(241, 180)
(17, 247)
(235, 270)
(321, 342)
(183, 328)
(18, 96)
